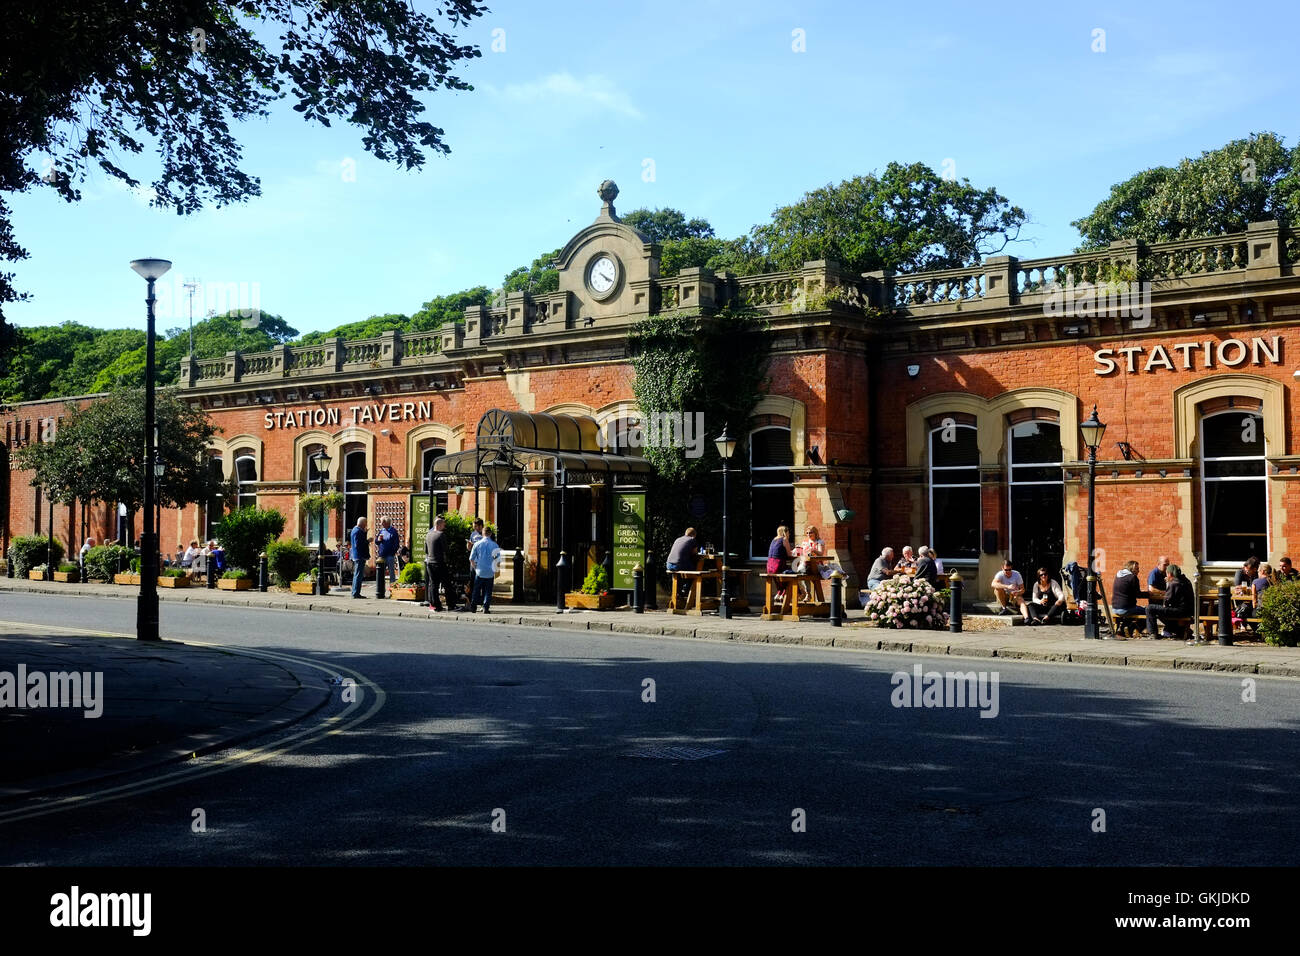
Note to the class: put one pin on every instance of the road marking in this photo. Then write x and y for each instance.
(63, 628)
(335, 724)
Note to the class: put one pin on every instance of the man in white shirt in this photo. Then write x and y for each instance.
(1009, 587)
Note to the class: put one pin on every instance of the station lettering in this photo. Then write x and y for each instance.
(357, 415)
(1229, 353)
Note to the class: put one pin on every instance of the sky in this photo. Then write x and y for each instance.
(724, 109)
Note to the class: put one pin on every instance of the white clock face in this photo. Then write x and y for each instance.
(603, 274)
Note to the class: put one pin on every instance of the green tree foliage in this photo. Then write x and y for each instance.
(98, 452)
(1220, 191)
(90, 83)
(685, 363)
(366, 328)
(246, 532)
(667, 225)
(907, 219)
(539, 278)
(287, 560)
(448, 309)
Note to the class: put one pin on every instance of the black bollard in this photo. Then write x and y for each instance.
(381, 570)
(954, 603)
(1225, 613)
(651, 582)
(9, 567)
(261, 572)
(517, 595)
(837, 588)
(212, 573)
(638, 589)
(561, 581)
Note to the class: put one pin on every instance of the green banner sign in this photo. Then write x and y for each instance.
(629, 536)
(420, 524)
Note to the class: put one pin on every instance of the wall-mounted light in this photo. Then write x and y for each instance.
(913, 371)
(815, 454)
(1125, 449)
(1199, 317)
(1074, 330)
(383, 431)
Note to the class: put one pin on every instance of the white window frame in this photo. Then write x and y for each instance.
(933, 468)
(1262, 478)
(754, 472)
(1012, 464)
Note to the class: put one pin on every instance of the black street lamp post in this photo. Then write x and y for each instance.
(146, 619)
(322, 461)
(726, 446)
(1093, 429)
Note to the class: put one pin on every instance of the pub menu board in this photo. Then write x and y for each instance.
(629, 536)
(419, 522)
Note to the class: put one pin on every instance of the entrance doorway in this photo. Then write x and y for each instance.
(577, 537)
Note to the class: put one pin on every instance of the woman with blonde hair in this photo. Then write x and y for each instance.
(779, 551)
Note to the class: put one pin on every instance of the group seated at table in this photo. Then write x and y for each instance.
(926, 565)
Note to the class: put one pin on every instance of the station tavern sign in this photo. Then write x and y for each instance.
(360, 415)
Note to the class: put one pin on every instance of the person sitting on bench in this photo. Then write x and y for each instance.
(683, 556)
(1124, 594)
(1178, 602)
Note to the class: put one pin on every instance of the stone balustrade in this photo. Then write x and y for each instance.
(1265, 250)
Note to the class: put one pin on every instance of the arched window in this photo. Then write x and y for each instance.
(355, 473)
(771, 500)
(1234, 486)
(216, 505)
(955, 515)
(1037, 492)
(430, 453)
(246, 476)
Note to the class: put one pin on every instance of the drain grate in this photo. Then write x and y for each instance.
(674, 753)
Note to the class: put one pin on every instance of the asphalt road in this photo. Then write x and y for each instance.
(538, 725)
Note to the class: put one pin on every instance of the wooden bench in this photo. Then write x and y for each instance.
(696, 603)
(792, 608)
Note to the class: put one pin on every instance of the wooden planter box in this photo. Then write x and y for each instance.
(408, 594)
(591, 602)
(165, 582)
(68, 577)
(234, 584)
(126, 577)
(36, 575)
(307, 587)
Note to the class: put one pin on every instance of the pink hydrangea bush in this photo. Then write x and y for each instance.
(905, 602)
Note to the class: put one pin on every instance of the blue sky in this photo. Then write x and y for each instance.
(733, 118)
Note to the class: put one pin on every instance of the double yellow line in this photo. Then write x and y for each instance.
(349, 719)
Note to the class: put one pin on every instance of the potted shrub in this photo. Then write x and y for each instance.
(905, 602)
(38, 573)
(27, 551)
(236, 579)
(131, 577)
(287, 562)
(102, 561)
(305, 581)
(173, 578)
(1279, 614)
(410, 583)
(68, 573)
(594, 595)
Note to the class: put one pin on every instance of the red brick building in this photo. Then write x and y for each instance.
(937, 408)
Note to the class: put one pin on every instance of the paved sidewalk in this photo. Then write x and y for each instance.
(160, 702)
(1062, 644)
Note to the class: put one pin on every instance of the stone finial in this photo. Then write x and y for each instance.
(608, 192)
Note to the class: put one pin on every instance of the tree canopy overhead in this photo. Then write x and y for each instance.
(1219, 192)
(93, 83)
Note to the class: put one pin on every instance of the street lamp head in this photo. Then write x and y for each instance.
(151, 268)
(159, 469)
(726, 445)
(1093, 429)
(323, 462)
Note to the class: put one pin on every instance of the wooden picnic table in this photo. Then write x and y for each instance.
(696, 603)
(791, 607)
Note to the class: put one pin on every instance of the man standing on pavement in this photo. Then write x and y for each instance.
(360, 555)
(435, 563)
(476, 535)
(483, 558)
(386, 543)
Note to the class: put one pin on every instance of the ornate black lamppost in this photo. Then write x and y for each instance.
(322, 462)
(146, 619)
(726, 446)
(1093, 429)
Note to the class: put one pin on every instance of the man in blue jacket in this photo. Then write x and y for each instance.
(386, 543)
(360, 555)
